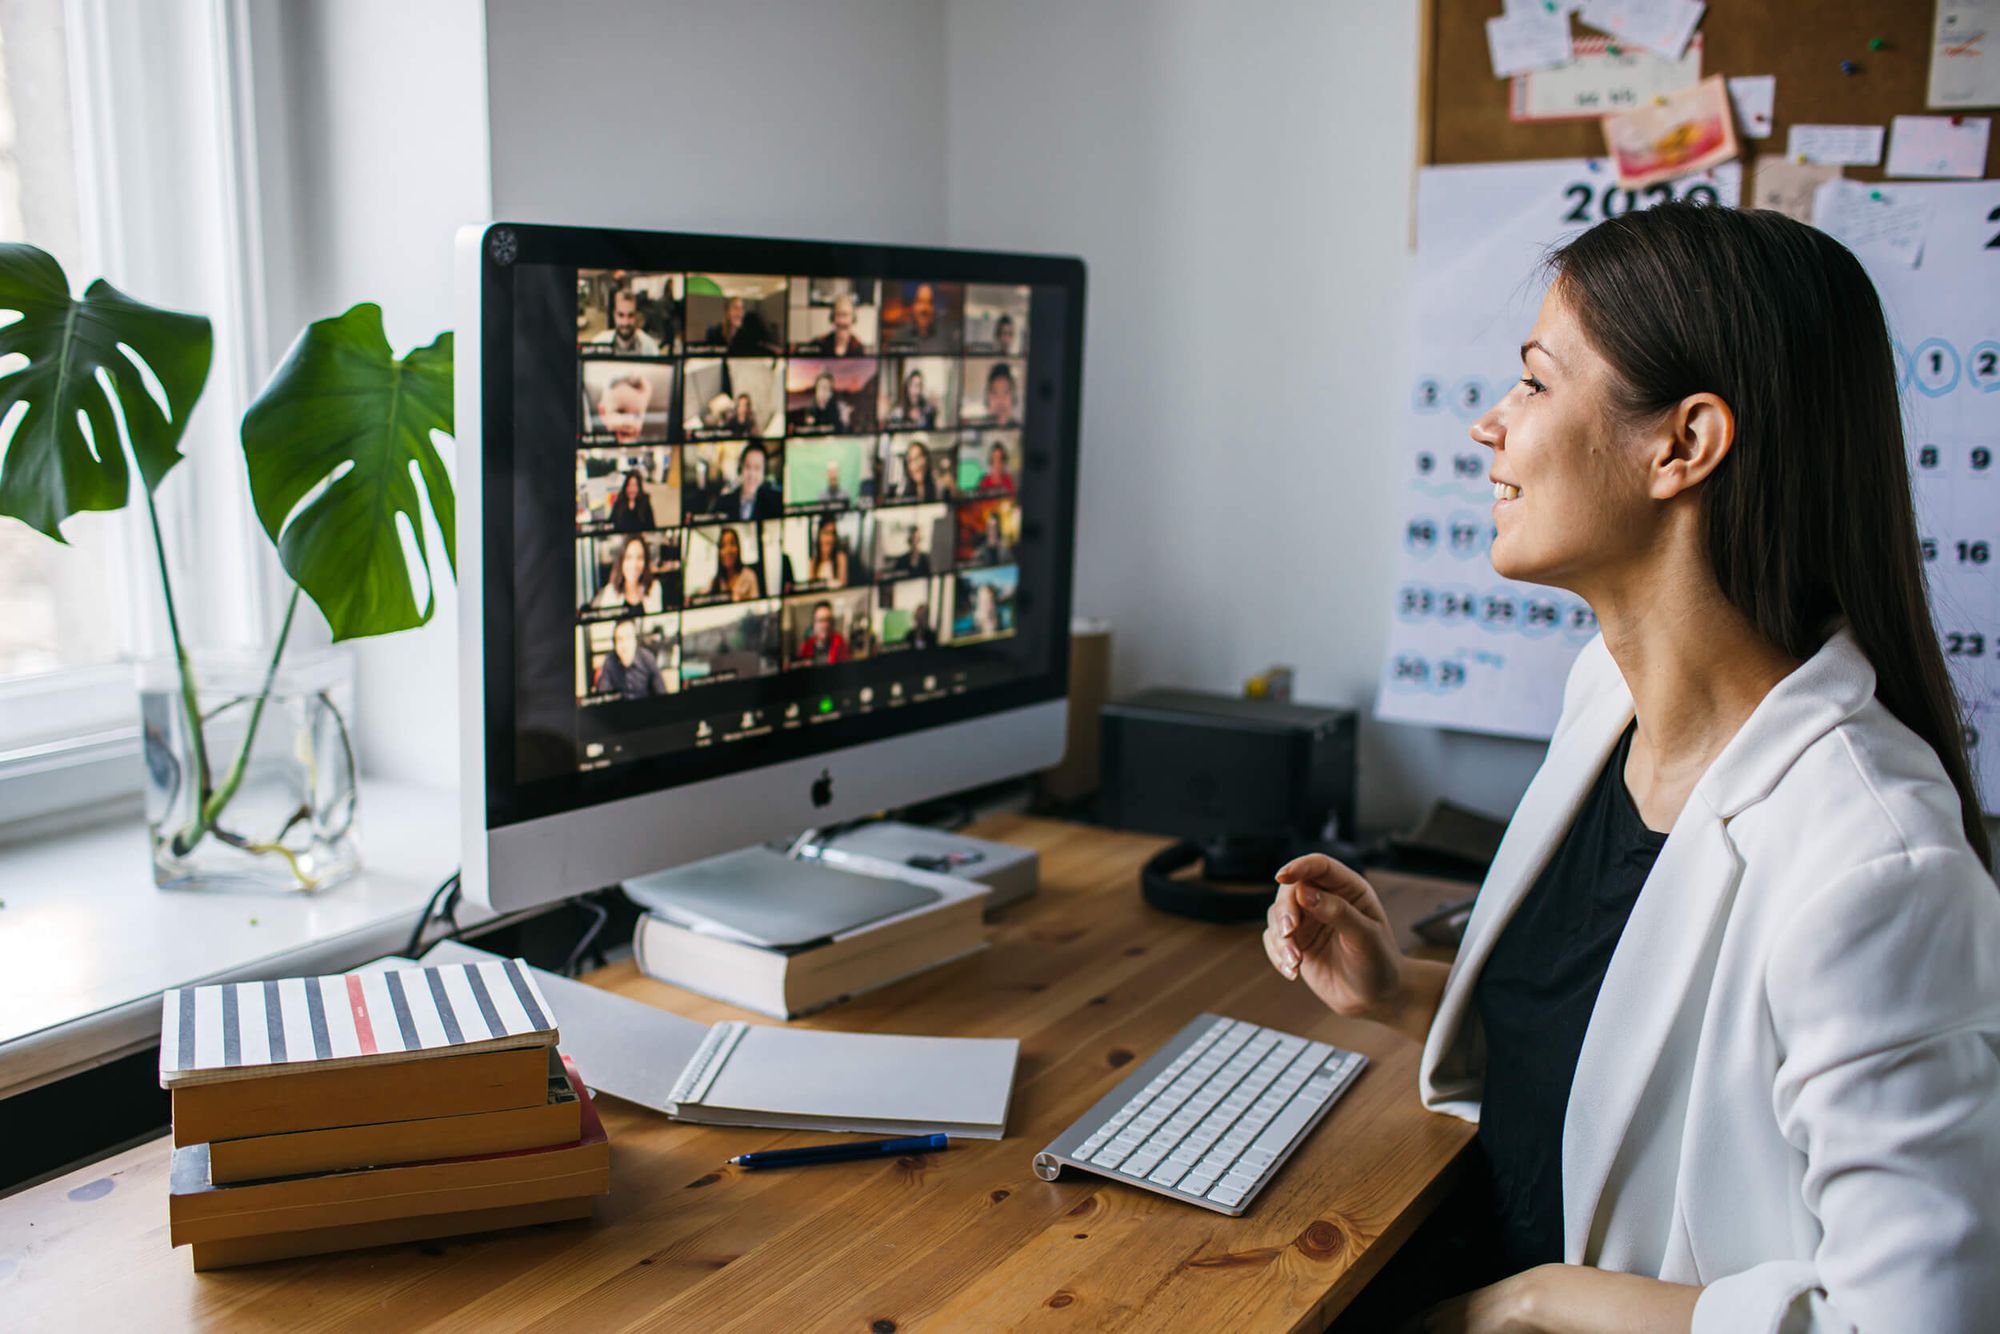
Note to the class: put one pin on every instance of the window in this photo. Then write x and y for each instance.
(62, 608)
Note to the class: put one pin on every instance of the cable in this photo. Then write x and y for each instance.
(590, 935)
(449, 886)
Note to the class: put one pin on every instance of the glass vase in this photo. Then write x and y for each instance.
(275, 816)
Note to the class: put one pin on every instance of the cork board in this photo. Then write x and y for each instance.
(1801, 41)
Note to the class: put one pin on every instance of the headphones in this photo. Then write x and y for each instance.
(1200, 899)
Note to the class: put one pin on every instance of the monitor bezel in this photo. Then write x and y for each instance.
(507, 802)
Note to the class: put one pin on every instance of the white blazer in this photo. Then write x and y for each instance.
(1790, 1088)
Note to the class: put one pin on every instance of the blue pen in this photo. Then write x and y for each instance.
(838, 1153)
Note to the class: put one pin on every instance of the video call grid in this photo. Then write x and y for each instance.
(886, 504)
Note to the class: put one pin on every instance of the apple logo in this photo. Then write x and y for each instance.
(822, 788)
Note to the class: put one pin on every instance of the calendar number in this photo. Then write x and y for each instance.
(1964, 644)
(1973, 553)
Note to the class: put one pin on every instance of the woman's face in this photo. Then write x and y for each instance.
(631, 488)
(632, 565)
(729, 549)
(916, 464)
(829, 539)
(743, 409)
(913, 388)
(823, 390)
(1570, 496)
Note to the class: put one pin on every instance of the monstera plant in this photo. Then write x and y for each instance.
(338, 448)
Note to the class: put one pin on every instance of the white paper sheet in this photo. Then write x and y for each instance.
(1755, 98)
(1875, 220)
(1965, 55)
(1658, 25)
(1528, 40)
(1950, 146)
(1596, 82)
(1468, 649)
(1837, 145)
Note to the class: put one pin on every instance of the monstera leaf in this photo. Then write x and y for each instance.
(55, 466)
(339, 445)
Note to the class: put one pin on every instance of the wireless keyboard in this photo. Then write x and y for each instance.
(1211, 1116)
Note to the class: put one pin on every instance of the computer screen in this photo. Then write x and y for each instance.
(746, 501)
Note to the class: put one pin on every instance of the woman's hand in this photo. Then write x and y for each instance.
(1327, 928)
(1565, 1299)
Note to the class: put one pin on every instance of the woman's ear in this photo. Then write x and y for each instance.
(1698, 433)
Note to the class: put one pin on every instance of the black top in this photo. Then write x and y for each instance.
(1535, 997)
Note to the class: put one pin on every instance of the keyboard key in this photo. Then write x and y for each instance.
(1227, 1196)
(1287, 1124)
(1167, 1174)
(1197, 1183)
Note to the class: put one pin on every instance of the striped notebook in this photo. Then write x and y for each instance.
(241, 1030)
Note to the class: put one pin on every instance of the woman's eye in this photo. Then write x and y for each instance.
(1534, 386)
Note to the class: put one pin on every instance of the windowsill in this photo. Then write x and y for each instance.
(87, 943)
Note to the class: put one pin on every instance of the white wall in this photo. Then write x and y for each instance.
(372, 146)
(1238, 178)
(816, 118)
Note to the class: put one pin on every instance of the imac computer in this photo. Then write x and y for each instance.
(755, 536)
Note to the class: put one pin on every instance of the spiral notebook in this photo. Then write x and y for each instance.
(738, 1074)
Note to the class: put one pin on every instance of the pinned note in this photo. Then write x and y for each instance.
(1596, 82)
(1872, 218)
(1788, 186)
(1675, 135)
(1836, 145)
(1965, 54)
(1527, 40)
(1755, 98)
(1664, 26)
(1952, 146)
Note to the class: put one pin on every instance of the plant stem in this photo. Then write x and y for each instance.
(185, 840)
(213, 803)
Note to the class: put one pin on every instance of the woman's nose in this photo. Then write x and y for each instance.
(1489, 430)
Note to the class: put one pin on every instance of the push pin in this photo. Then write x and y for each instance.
(1875, 195)
(1957, 121)
(1592, 163)
(1876, 43)
(1612, 48)
(1659, 99)
(1847, 67)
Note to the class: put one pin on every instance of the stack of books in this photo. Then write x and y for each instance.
(685, 949)
(321, 1114)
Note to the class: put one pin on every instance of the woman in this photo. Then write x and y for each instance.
(913, 406)
(631, 587)
(733, 579)
(632, 508)
(829, 560)
(1727, 1009)
(744, 420)
(918, 482)
(999, 477)
(985, 610)
(825, 412)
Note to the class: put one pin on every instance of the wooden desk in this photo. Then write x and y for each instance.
(1084, 974)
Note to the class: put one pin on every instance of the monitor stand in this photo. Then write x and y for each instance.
(769, 897)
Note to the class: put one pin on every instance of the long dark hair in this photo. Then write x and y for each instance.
(1809, 519)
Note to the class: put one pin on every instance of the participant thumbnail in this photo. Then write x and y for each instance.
(920, 393)
(627, 402)
(826, 473)
(732, 479)
(917, 467)
(630, 574)
(730, 643)
(825, 396)
(985, 604)
(825, 628)
(988, 532)
(624, 313)
(633, 657)
(996, 320)
(989, 463)
(628, 489)
(734, 397)
(921, 316)
(913, 614)
(915, 540)
(826, 550)
(732, 562)
(993, 391)
(738, 314)
(834, 317)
